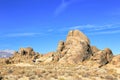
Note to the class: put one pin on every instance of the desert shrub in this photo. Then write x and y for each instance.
(61, 78)
(109, 78)
(85, 74)
(112, 71)
(7, 61)
(92, 78)
(1, 77)
(76, 77)
(32, 77)
(10, 71)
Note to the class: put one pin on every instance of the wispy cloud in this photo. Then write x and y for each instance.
(95, 29)
(64, 4)
(89, 26)
(21, 34)
(104, 32)
(50, 30)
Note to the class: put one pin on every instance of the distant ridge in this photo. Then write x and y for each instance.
(6, 53)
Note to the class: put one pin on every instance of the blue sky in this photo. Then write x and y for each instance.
(41, 24)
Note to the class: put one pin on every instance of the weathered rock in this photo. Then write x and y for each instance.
(76, 48)
(60, 46)
(24, 55)
(46, 58)
(25, 51)
(102, 57)
(109, 54)
(116, 60)
(94, 49)
(78, 35)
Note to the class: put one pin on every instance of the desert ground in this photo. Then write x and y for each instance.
(25, 71)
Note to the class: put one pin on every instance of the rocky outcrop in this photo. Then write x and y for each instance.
(116, 61)
(94, 49)
(102, 57)
(26, 51)
(60, 46)
(76, 48)
(24, 55)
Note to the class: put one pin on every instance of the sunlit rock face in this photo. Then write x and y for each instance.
(116, 61)
(102, 57)
(75, 49)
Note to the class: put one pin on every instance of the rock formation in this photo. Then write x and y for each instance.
(116, 61)
(102, 57)
(94, 49)
(26, 51)
(75, 50)
(24, 55)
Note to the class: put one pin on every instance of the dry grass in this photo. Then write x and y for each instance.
(56, 72)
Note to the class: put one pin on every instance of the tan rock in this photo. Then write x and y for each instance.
(102, 57)
(78, 35)
(94, 49)
(46, 58)
(76, 48)
(24, 55)
(116, 60)
(60, 46)
(24, 51)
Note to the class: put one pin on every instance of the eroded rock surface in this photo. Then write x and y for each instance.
(76, 48)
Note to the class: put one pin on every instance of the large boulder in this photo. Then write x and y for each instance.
(76, 48)
(116, 61)
(25, 51)
(94, 49)
(102, 57)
